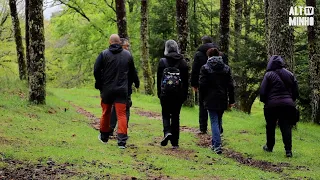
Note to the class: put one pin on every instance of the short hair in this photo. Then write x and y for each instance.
(123, 41)
(171, 46)
(213, 52)
(206, 39)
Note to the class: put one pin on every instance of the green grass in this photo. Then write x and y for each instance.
(32, 133)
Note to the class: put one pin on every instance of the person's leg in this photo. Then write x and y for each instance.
(271, 117)
(220, 114)
(165, 105)
(122, 124)
(175, 124)
(113, 121)
(286, 128)
(129, 104)
(203, 115)
(105, 129)
(216, 139)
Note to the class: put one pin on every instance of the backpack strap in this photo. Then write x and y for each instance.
(285, 85)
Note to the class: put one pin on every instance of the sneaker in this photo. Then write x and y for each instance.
(103, 140)
(201, 132)
(217, 150)
(166, 138)
(265, 148)
(289, 154)
(175, 147)
(122, 147)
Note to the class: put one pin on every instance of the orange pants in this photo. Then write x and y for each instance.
(121, 116)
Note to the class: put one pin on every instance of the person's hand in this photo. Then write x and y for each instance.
(232, 105)
(195, 89)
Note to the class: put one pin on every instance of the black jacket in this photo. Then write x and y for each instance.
(112, 69)
(173, 58)
(279, 86)
(200, 59)
(216, 84)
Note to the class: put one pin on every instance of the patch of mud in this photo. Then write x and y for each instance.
(243, 132)
(188, 129)
(181, 153)
(148, 114)
(21, 170)
(204, 140)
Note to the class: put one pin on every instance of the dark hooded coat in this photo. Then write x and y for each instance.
(174, 58)
(279, 86)
(216, 84)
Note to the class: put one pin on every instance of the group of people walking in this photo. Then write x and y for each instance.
(211, 77)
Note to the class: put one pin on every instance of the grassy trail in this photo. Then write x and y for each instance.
(57, 138)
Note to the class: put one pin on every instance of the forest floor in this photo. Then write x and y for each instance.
(59, 141)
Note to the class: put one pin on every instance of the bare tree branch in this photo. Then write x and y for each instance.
(110, 5)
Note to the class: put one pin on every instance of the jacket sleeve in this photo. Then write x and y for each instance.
(203, 81)
(133, 74)
(159, 77)
(230, 88)
(225, 59)
(263, 89)
(195, 71)
(295, 89)
(97, 72)
(185, 81)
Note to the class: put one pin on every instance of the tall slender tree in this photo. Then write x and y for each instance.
(280, 34)
(224, 25)
(183, 31)
(27, 36)
(121, 18)
(18, 39)
(37, 76)
(314, 63)
(148, 81)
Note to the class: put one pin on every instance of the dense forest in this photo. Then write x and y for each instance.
(61, 51)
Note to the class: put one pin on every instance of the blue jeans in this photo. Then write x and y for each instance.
(215, 118)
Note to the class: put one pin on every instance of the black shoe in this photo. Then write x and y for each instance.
(265, 148)
(175, 147)
(201, 132)
(166, 138)
(289, 154)
(217, 150)
(103, 138)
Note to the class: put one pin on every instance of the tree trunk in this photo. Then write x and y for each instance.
(121, 18)
(27, 37)
(182, 27)
(148, 81)
(224, 25)
(281, 38)
(237, 28)
(18, 39)
(37, 76)
(314, 63)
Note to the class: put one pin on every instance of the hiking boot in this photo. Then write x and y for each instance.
(201, 132)
(265, 148)
(175, 147)
(122, 147)
(289, 154)
(166, 138)
(217, 150)
(103, 138)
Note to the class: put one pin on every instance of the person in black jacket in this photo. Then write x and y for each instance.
(171, 103)
(217, 89)
(111, 74)
(279, 91)
(132, 78)
(200, 59)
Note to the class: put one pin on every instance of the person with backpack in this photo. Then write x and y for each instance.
(172, 85)
(111, 71)
(278, 92)
(132, 78)
(217, 88)
(200, 59)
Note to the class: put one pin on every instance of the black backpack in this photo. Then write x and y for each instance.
(171, 82)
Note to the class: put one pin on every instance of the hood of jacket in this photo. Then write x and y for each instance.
(174, 56)
(115, 48)
(204, 48)
(275, 62)
(216, 63)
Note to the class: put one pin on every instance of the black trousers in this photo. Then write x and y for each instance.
(283, 115)
(203, 115)
(171, 118)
